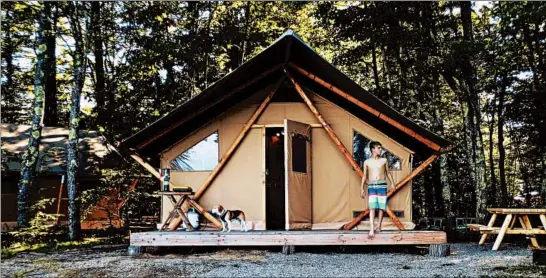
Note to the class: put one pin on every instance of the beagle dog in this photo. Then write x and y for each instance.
(226, 216)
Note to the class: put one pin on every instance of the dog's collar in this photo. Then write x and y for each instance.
(223, 213)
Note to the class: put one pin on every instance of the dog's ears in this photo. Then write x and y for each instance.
(220, 208)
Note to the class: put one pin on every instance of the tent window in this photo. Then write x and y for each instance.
(361, 152)
(299, 153)
(203, 156)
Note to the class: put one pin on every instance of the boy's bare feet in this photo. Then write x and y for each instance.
(371, 234)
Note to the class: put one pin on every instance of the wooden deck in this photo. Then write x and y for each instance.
(281, 238)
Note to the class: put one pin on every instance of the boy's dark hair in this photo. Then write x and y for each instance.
(374, 144)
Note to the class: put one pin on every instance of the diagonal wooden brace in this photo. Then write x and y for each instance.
(399, 185)
(368, 108)
(237, 141)
(338, 142)
(156, 174)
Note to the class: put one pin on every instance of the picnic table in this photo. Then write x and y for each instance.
(512, 215)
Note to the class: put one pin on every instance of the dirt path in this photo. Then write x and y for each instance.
(466, 260)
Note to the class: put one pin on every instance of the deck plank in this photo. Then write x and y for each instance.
(280, 238)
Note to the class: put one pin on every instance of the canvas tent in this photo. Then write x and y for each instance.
(282, 138)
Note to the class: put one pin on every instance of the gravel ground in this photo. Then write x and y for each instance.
(466, 259)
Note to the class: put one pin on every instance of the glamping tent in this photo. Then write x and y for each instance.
(283, 138)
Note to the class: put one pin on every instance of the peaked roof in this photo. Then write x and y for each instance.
(52, 156)
(262, 71)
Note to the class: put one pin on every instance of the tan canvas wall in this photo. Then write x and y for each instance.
(240, 185)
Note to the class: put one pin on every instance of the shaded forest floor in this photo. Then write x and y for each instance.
(467, 259)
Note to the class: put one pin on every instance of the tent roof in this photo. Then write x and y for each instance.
(262, 71)
(52, 156)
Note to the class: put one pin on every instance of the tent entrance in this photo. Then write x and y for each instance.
(274, 179)
(288, 177)
(297, 181)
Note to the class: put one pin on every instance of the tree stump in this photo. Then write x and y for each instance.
(288, 249)
(539, 256)
(134, 250)
(439, 250)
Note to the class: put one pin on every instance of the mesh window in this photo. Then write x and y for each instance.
(361, 152)
(299, 153)
(203, 156)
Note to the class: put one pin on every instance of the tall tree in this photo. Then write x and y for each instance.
(98, 66)
(473, 112)
(30, 156)
(18, 25)
(76, 14)
(51, 115)
(500, 144)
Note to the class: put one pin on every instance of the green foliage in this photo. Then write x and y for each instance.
(43, 228)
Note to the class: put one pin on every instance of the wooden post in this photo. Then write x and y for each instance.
(156, 174)
(237, 142)
(338, 142)
(59, 200)
(368, 108)
(204, 108)
(439, 250)
(399, 185)
(327, 127)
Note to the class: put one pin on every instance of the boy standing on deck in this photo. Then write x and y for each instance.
(375, 172)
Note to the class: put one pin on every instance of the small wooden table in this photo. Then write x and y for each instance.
(177, 208)
(512, 214)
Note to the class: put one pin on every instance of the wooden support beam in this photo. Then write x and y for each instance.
(327, 127)
(237, 141)
(368, 108)
(156, 174)
(282, 125)
(337, 141)
(399, 185)
(206, 107)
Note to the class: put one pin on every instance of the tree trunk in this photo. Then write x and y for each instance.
(474, 114)
(502, 152)
(30, 157)
(492, 196)
(74, 228)
(9, 107)
(98, 52)
(51, 113)
(438, 188)
(375, 71)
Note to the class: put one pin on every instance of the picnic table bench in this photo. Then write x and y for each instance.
(512, 215)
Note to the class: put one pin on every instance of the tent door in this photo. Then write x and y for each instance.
(297, 161)
(274, 179)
